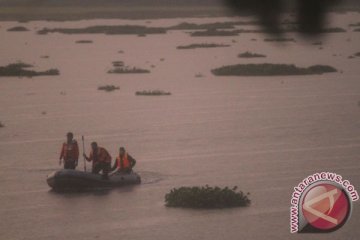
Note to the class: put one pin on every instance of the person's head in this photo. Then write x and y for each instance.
(94, 145)
(69, 136)
(122, 151)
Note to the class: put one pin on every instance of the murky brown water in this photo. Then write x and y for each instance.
(263, 134)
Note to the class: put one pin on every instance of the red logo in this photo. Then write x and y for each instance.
(326, 207)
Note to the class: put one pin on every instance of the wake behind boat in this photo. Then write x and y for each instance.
(68, 179)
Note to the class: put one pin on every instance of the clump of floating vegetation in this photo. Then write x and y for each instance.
(332, 30)
(1, 125)
(214, 33)
(152, 93)
(251, 55)
(118, 63)
(199, 75)
(44, 56)
(108, 88)
(279, 40)
(354, 55)
(251, 31)
(202, 45)
(194, 26)
(84, 41)
(127, 69)
(206, 197)
(18, 29)
(323, 30)
(268, 69)
(122, 29)
(357, 30)
(354, 24)
(21, 70)
(216, 25)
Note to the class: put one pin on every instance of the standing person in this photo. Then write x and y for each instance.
(124, 162)
(101, 159)
(69, 152)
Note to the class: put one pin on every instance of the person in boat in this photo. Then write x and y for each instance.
(100, 158)
(69, 152)
(124, 162)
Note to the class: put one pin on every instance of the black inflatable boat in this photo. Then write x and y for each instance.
(67, 179)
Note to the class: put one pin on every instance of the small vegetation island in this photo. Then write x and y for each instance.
(215, 25)
(120, 68)
(293, 28)
(84, 41)
(268, 69)
(213, 32)
(108, 88)
(118, 63)
(199, 75)
(18, 29)
(354, 55)
(202, 45)
(152, 93)
(333, 30)
(111, 30)
(280, 39)
(21, 70)
(127, 69)
(1, 125)
(251, 55)
(206, 197)
(354, 24)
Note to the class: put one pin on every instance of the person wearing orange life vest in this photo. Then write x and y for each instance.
(69, 152)
(100, 158)
(124, 162)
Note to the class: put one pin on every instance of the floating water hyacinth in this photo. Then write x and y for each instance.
(251, 55)
(269, 69)
(22, 70)
(18, 29)
(206, 197)
(108, 88)
(152, 93)
(202, 45)
(123, 70)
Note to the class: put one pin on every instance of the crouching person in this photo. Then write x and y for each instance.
(124, 163)
(100, 158)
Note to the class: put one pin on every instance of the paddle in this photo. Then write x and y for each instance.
(83, 143)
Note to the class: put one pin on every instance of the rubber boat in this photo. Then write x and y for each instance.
(68, 179)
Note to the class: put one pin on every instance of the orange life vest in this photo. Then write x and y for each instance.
(101, 155)
(125, 162)
(70, 151)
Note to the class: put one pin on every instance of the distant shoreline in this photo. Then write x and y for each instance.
(117, 12)
(68, 13)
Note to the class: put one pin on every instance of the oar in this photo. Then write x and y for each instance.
(83, 143)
